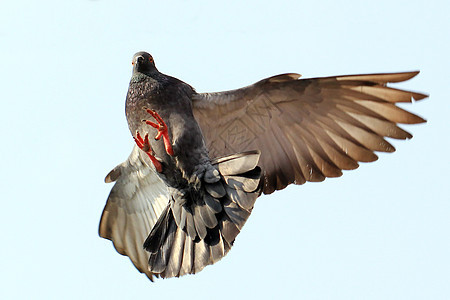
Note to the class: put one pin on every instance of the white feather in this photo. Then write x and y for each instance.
(133, 207)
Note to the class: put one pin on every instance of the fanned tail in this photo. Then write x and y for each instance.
(198, 227)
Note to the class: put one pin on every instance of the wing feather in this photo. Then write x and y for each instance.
(134, 205)
(307, 129)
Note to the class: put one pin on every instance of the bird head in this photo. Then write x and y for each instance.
(143, 62)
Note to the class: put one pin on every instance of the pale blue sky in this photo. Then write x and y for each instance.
(380, 232)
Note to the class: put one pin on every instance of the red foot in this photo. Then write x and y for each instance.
(145, 146)
(162, 130)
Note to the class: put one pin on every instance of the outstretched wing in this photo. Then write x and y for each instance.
(307, 129)
(134, 205)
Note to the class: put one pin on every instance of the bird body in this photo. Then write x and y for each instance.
(203, 214)
(185, 198)
(171, 98)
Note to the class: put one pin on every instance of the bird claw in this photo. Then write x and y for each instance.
(144, 145)
(162, 129)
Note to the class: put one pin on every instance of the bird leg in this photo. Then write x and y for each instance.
(162, 130)
(144, 145)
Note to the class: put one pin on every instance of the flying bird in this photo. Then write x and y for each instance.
(201, 160)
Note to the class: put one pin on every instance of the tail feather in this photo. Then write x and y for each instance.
(190, 225)
(212, 203)
(207, 215)
(242, 198)
(217, 249)
(160, 258)
(248, 182)
(158, 233)
(176, 257)
(198, 228)
(236, 214)
(188, 257)
(228, 229)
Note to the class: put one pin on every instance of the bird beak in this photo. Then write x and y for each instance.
(137, 60)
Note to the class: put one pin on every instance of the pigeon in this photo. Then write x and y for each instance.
(201, 160)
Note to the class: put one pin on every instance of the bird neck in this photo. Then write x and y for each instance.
(140, 76)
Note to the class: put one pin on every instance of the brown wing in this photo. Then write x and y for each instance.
(307, 129)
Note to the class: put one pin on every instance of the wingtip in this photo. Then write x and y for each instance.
(421, 120)
(381, 78)
(410, 74)
(419, 96)
(113, 175)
